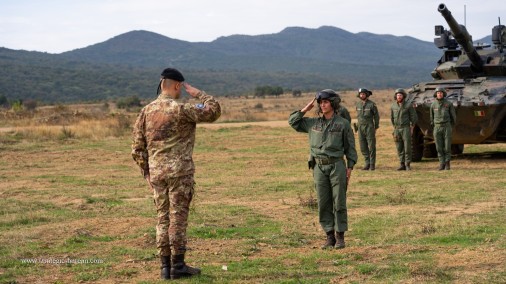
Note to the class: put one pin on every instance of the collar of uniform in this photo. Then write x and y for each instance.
(164, 96)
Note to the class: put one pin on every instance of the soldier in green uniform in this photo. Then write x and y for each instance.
(442, 119)
(163, 140)
(343, 112)
(403, 117)
(368, 121)
(330, 139)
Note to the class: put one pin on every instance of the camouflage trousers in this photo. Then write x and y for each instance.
(172, 199)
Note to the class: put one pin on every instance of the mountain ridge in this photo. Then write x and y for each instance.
(295, 58)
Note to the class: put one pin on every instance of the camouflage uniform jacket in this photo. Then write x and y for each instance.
(367, 113)
(164, 134)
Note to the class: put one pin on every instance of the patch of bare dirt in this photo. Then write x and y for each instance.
(474, 262)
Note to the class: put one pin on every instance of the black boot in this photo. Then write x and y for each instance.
(441, 166)
(447, 166)
(180, 269)
(372, 167)
(402, 167)
(408, 167)
(366, 167)
(331, 240)
(165, 268)
(340, 240)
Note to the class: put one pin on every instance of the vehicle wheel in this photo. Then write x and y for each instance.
(417, 145)
(457, 149)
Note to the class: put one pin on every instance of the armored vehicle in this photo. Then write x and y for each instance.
(474, 77)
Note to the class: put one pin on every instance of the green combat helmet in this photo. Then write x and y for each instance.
(330, 95)
(365, 91)
(439, 89)
(402, 91)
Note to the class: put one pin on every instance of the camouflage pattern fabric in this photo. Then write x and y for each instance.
(164, 134)
(172, 199)
(163, 141)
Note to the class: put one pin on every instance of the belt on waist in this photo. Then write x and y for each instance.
(442, 123)
(327, 160)
(365, 123)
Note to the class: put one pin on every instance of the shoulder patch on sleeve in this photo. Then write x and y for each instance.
(200, 106)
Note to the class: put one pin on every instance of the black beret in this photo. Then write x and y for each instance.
(171, 73)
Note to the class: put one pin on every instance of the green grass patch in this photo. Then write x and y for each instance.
(248, 214)
(227, 222)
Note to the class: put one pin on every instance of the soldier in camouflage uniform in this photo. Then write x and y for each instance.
(403, 117)
(368, 123)
(330, 138)
(163, 140)
(442, 119)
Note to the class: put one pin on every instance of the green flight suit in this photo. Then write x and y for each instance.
(344, 113)
(368, 121)
(330, 140)
(402, 117)
(443, 118)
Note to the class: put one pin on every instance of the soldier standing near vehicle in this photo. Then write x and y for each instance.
(368, 122)
(330, 139)
(403, 117)
(442, 120)
(163, 140)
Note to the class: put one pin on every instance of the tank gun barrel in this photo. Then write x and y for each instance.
(462, 37)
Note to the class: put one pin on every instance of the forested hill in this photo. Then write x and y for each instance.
(295, 58)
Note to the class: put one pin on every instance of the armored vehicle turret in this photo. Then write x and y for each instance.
(474, 77)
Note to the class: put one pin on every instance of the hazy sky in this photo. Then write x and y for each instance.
(56, 26)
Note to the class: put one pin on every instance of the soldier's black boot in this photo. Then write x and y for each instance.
(441, 166)
(340, 240)
(366, 167)
(331, 240)
(408, 167)
(180, 269)
(402, 167)
(447, 166)
(165, 268)
(372, 167)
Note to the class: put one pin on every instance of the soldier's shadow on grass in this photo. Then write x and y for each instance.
(492, 155)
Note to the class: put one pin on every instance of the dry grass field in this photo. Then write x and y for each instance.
(74, 208)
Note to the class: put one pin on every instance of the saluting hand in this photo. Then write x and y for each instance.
(309, 106)
(192, 91)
